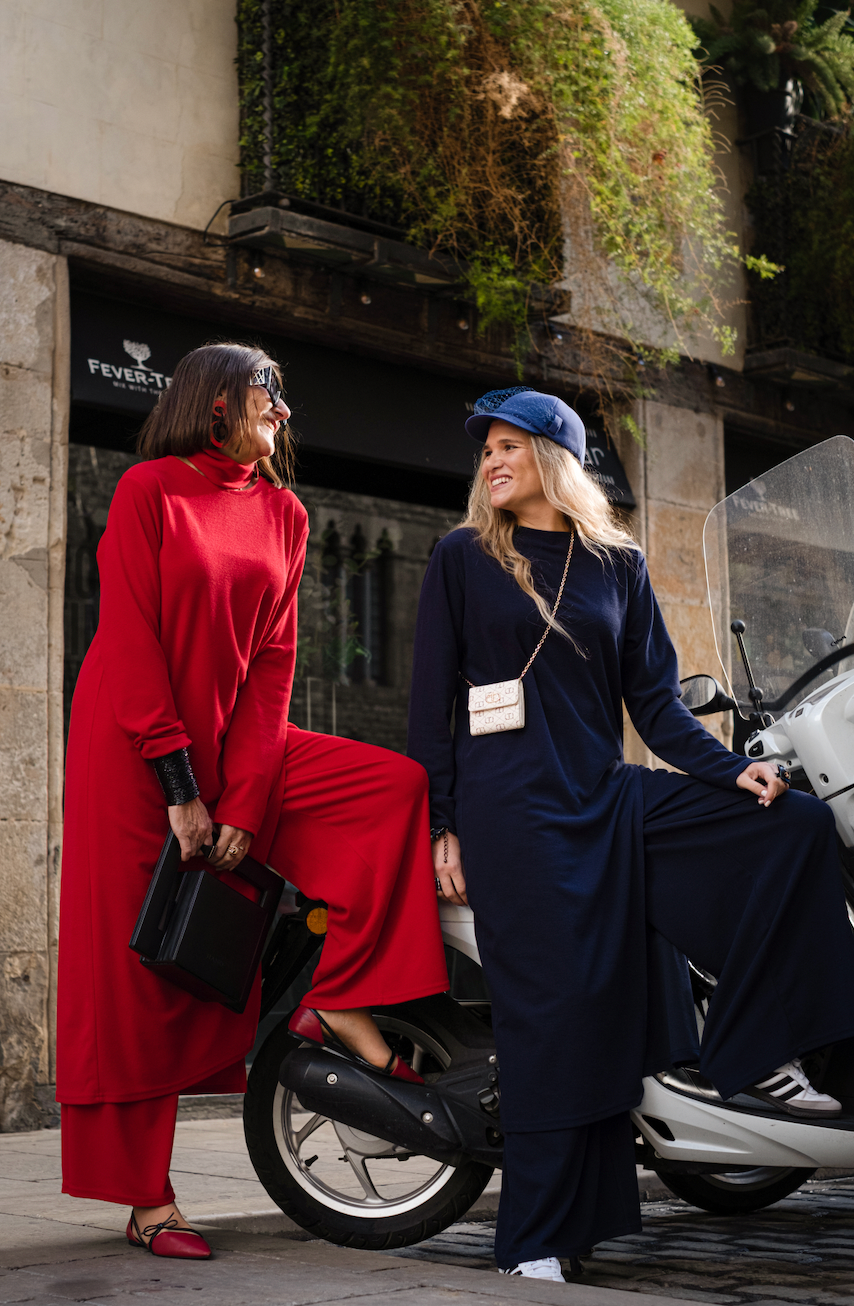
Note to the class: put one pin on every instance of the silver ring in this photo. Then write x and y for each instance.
(438, 884)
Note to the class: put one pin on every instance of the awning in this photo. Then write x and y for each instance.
(123, 356)
(604, 463)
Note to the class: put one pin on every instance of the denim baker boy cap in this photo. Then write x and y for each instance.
(531, 411)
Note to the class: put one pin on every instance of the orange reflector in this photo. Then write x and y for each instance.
(316, 920)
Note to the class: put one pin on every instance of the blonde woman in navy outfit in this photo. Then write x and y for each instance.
(587, 874)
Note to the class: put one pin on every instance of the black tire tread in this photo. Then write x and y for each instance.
(696, 1189)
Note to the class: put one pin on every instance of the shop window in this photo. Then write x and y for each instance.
(93, 474)
(82, 599)
(369, 595)
(336, 635)
(356, 582)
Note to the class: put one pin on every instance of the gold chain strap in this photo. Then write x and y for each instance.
(545, 634)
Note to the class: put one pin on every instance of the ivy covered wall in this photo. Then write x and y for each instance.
(488, 128)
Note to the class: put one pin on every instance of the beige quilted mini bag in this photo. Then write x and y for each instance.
(501, 706)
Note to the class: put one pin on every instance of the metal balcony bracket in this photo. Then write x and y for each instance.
(350, 249)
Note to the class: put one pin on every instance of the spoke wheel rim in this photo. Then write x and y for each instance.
(761, 1177)
(295, 1128)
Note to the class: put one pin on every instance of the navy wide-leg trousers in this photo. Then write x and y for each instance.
(751, 894)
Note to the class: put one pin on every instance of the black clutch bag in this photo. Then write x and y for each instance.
(201, 934)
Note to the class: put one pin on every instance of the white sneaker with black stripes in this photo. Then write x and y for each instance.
(790, 1090)
(547, 1268)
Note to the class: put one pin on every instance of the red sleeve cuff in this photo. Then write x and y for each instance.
(163, 744)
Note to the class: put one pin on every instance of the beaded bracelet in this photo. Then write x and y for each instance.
(438, 833)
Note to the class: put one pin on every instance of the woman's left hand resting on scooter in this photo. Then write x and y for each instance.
(761, 778)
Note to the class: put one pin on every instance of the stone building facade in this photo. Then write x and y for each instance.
(120, 143)
(34, 393)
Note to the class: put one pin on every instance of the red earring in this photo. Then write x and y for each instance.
(219, 433)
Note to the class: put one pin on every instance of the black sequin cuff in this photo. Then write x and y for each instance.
(176, 777)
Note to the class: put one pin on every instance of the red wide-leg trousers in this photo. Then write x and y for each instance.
(120, 1151)
(354, 831)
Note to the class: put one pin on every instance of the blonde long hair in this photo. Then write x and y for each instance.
(569, 489)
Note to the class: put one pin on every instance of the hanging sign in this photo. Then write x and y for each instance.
(603, 462)
(123, 356)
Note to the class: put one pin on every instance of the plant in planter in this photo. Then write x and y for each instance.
(524, 137)
(782, 48)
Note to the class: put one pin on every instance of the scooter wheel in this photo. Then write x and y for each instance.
(736, 1192)
(344, 1185)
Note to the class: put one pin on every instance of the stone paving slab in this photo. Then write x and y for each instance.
(801, 1250)
(259, 1271)
(211, 1172)
(214, 1149)
(56, 1249)
(29, 1166)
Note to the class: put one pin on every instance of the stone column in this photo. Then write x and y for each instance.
(677, 478)
(34, 400)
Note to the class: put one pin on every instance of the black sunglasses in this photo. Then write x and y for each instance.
(267, 379)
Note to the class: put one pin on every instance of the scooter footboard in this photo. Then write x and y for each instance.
(681, 1128)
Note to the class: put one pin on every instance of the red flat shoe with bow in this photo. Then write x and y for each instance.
(168, 1238)
(310, 1026)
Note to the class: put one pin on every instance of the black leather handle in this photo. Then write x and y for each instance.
(258, 875)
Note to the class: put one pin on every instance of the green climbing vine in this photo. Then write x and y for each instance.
(533, 140)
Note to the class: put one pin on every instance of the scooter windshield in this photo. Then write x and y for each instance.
(780, 557)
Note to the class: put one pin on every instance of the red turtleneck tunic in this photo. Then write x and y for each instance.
(195, 648)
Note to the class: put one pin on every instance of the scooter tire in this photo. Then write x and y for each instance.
(263, 1100)
(736, 1193)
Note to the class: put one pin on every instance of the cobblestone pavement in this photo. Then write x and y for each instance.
(799, 1251)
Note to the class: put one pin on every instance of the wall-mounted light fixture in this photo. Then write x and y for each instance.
(716, 376)
(463, 323)
(364, 298)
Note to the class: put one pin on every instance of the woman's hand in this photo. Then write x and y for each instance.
(230, 837)
(191, 826)
(450, 873)
(761, 778)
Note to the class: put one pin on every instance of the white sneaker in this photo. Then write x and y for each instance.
(547, 1268)
(789, 1089)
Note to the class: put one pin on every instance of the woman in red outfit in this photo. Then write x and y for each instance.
(180, 719)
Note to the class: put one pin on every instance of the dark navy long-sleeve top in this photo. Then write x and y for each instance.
(550, 817)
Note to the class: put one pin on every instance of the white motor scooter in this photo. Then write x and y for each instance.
(780, 570)
(326, 1139)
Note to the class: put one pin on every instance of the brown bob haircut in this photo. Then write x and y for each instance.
(181, 422)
